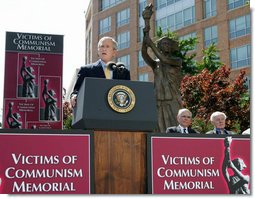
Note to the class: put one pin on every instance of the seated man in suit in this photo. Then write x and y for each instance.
(184, 117)
(107, 51)
(218, 119)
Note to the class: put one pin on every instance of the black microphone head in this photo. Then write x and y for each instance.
(111, 65)
(120, 65)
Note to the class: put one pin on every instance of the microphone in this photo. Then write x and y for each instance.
(111, 65)
(120, 65)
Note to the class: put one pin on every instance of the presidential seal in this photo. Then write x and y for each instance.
(121, 99)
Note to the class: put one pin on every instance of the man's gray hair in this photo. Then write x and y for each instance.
(183, 110)
(115, 43)
(217, 113)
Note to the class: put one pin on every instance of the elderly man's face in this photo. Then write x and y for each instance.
(219, 121)
(185, 119)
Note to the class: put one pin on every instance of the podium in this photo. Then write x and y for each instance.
(120, 113)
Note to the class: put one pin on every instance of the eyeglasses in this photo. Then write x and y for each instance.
(185, 116)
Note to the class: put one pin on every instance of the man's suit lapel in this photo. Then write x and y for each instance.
(99, 69)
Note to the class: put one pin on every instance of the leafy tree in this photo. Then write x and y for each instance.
(210, 60)
(67, 115)
(189, 65)
(170, 34)
(208, 92)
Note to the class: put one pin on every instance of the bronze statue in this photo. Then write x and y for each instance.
(50, 103)
(238, 183)
(13, 118)
(28, 78)
(167, 74)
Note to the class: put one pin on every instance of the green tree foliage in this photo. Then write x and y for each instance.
(208, 92)
(170, 34)
(188, 62)
(210, 60)
(67, 115)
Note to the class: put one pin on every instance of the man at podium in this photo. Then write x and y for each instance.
(103, 68)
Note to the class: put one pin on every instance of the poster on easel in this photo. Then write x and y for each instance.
(33, 81)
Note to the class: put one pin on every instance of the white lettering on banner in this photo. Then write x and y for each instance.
(169, 173)
(188, 185)
(34, 42)
(28, 36)
(11, 173)
(43, 187)
(167, 159)
(35, 159)
(45, 173)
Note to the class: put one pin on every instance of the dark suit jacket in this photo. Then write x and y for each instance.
(177, 129)
(96, 70)
(225, 132)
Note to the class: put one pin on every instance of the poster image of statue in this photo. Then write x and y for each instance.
(49, 105)
(232, 169)
(14, 114)
(27, 77)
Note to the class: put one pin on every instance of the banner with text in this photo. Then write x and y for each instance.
(198, 165)
(33, 81)
(45, 163)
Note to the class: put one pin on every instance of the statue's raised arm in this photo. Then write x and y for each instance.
(147, 13)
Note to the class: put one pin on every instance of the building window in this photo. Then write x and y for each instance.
(124, 40)
(232, 4)
(105, 4)
(188, 16)
(177, 20)
(209, 8)
(187, 36)
(142, 5)
(141, 61)
(125, 60)
(105, 25)
(240, 56)
(144, 77)
(210, 35)
(123, 17)
(240, 26)
(248, 83)
(163, 3)
(162, 23)
(140, 33)
(171, 22)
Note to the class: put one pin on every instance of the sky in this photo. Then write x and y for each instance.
(60, 17)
